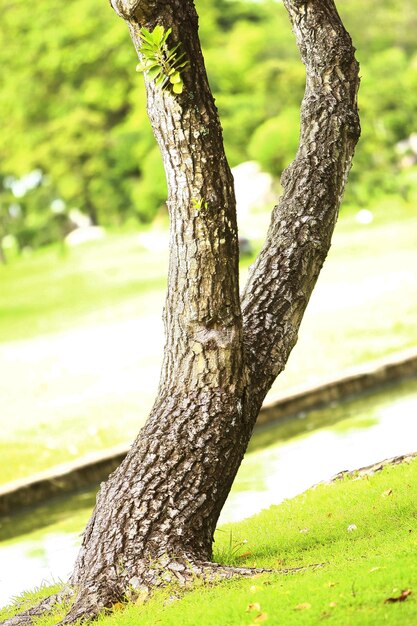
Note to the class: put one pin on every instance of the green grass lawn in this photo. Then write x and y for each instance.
(113, 278)
(81, 339)
(362, 532)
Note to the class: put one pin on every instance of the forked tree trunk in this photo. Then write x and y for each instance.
(156, 515)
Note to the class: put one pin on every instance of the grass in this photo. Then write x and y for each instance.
(81, 338)
(107, 279)
(361, 567)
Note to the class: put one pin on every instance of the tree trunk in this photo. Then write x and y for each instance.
(155, 516)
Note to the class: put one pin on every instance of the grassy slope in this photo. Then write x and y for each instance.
(361, 568)
(54, 408)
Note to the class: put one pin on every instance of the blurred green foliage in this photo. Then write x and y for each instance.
(73, 107)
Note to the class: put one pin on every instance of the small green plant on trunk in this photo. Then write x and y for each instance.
(199, 204)
(160, 63)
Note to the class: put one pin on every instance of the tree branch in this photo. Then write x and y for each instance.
(283, 276)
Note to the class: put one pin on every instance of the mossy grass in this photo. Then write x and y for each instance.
(362, 532)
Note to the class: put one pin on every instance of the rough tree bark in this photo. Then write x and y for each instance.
(156, 515)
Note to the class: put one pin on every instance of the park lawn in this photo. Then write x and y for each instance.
(78, 377)
(50, 290)
(362, 534)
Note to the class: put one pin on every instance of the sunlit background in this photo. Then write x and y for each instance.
(84, 248)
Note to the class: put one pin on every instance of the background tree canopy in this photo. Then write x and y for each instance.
(73, 107)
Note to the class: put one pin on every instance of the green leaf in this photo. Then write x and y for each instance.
(145, 45)
(178, 62)
(162, 65)
(166, 35)
(145, 35)
(146, 65)
(175, 78)
(178, 87)
(172, 50)
(158, 34)
(161, 80)
(153, 73)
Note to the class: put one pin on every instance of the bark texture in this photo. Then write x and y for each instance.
(156, 515)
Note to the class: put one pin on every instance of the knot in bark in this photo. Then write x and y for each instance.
(125, 8)
(139, 11)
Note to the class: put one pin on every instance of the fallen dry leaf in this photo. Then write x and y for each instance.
(387, 492)
(330, 584)
(403, 596)
(303, 606)
(253, 606)
(262, 617)
(245, 554)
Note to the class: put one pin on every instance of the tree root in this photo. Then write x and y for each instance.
(85, 610)
(369, 470)
(216, 571)
(179, 574)
(228, 571)
(44, 607)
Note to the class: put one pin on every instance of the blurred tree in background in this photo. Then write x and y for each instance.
(73, 107)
